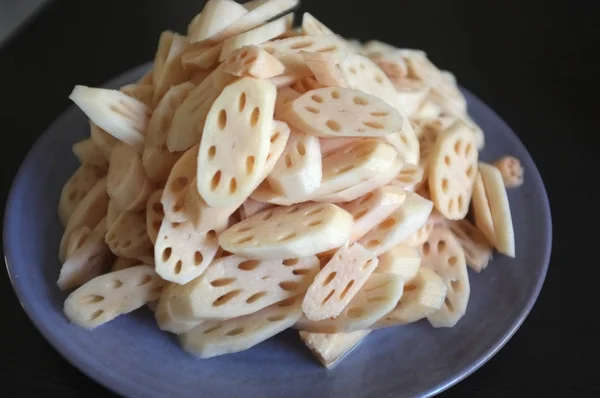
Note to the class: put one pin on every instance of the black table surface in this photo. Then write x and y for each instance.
(531, 61)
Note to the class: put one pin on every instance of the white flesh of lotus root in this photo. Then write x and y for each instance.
(178, 183)
(76, 239)
(214, 338)
(311, 26)
(402, 260)
(141, 92)
(371, 209)
(157, 159)
(331, 348)
(111, 213)
(173, 72)
(378, 296)
(250, 207)
(284, 95)
(127, 236)
(307, 84)
(121, 263)
(423, 296)
(421, 235)
(512, 171)
(87, 152)
(154, 215)
(127, 184)
(253, 61)
(188, 121)
(452, 171)
(162, 51)
(164, 315)
(428, 109)
(216, 16)
(257, 35)
(87, 260)
(411, 94)
(324, 68)
(499, 208)
(199, 75)
(88, 212)
(388, 58)
(121, 116)
(329, 145)
(443, 254)
(409, 177)
(107, 296)
(338, 282)
(289, 232)
(201, 56)
(409, 217)
(76, 188)
(202, 216)
(406, 142)
(103, 141)
(298, 171)
(234, 286)
(478, 251)
(295, 69)
(181, 253)
(235, 142)
(330, 45)
(342, 112)
(482, 214)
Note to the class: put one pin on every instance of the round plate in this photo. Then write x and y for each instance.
(132, 357)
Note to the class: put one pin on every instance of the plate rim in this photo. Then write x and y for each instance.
(129, 389)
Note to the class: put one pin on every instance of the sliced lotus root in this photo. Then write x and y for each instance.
(478, 251)
(443, 254)
(388, 58)
(409, 177)
(482, 213)
(306, 84)
(252, 61)
(288, 232)
(77, 187)
(116, 113)
(176, 188)
(409, 217)
(181, 253)
(107, 296)
(421, 235)
(188, 121)
(329, 145)
(378, 296)
(324, 68)
(448, 97)
(342, 112)
(87, 152)
(284, 95)
(103, 141)
(330, 45)
(127, 236)
(452, 171)
(127, 184)
(121, 263)
(112, 212)
(370, 210)
(423, 296)
(216, 16)
(164, 316)
(512, 171)
(173, 72)
(250, 207)
(500, 209)
(90, 210)
(257, 35)
(234, 286)
(203, 56)
(402, 260)
(427, 110)
(338, 282)
(311, 26)
(411, 94)
(76, 239)
(406, 142)
(154, 214)
(199, 75)
(86, 261)
(298, 171)
(214, 338)
(295, 70)
(141, 92)
(331, 348)
(162, 51)
(202, 216)
(236, 141)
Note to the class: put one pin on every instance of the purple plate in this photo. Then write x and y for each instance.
(132, 357)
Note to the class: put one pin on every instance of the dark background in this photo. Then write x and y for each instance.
(531, 61)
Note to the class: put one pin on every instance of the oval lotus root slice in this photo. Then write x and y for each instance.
(298, 171)
(181, 253)
(253, 61)
(164, 315)
(482, 213)
(342, 112)
(329, 145)
(388, 58)
(250, 207)
(338, 282)
(127, 184)
(154, 214)
(512, 171)
(306, 84)
(396, 228)
(329, 45)
(87, 152)
(377, 297)
(107, 296)
(162, 51)
(235, 142)
(201, 56)
(180, 179)
(216, 16)
(406, 142)
(202, 216)
(411, 94)
(324, 68)
(289, 232)
(499, 208)
(76, 188)
(103, 141)
(295, 71)
(234, 286)
(121, 116)
(90, 210)
(214, 338)
(402, 260)
(173, 71)
(370, 210)
(127, 236)
(141, 92)
(77, 238)
(331, 348)
(122, 262)
(421, 235)
(478, 251)
(452, 171)
(443, 254)
(86, 261)
(423, 296)
(409, 177)
(311, 26)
